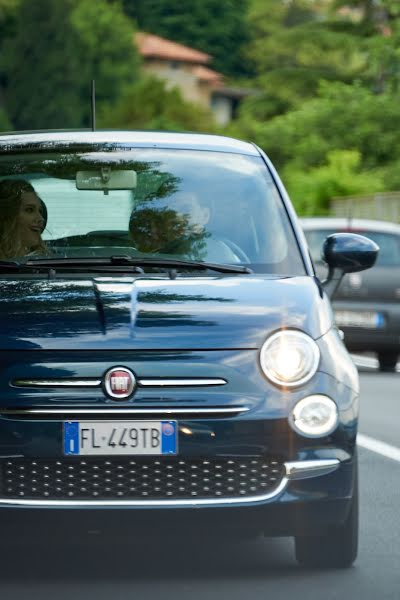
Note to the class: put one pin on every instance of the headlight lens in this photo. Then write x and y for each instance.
(289, 357)
(315, 416)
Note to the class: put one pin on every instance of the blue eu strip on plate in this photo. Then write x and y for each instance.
(71, 438)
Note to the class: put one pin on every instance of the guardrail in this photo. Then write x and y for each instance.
(384, 206)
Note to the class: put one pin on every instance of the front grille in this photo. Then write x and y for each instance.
(139, 479)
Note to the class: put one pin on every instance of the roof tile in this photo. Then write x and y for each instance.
(153, 46)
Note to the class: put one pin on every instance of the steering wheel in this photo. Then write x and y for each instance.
(241, 254)
(172, 247)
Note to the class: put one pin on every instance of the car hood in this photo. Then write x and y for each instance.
(156, 313)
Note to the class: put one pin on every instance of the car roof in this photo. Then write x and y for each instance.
(352, 224)
(50, 140)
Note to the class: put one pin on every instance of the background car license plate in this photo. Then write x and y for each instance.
(368, 319)
(113, 438)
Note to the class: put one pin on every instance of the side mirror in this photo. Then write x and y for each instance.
(346, 253)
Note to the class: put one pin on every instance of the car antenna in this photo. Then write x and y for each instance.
(93, 104)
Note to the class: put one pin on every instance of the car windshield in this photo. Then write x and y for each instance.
(197, 205)
(389, 244)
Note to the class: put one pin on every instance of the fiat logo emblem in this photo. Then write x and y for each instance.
(119, 383)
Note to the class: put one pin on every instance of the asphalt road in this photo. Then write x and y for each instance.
(241, 571)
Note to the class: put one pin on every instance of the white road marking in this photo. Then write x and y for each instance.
(365, 361)
(379, 447)
(368, 362)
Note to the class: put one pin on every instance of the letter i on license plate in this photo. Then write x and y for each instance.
(120, 438)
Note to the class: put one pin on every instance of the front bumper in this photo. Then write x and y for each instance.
(293, 471)
(303, 507)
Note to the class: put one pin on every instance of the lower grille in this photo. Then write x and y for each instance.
(140, 478)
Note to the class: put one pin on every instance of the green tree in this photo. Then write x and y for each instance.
(150, 105)
(107, 49)
(294, 46)
(311, 190)
(217, 27)
(376, 24)
(8, 23)
(8, 12)
(5, 124)
(340, 117)
(42, 67)
(372, 16)
(58, 48)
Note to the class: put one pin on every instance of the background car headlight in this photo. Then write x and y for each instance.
(289, 357)
(315, 416)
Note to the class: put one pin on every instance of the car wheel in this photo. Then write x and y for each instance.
(337, 548)
(387, 361)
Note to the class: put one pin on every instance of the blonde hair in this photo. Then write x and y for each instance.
(11, 191)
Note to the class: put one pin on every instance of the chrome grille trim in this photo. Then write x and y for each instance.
(83, 382)
(293, 470)
(182, 382)
(144, 382)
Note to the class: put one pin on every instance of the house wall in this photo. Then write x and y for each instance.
(178, 74)
(222, 109)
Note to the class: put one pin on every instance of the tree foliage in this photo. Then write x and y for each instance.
(312, 189)
(42, 67)
(59, 47)
(8, 12)
(294, 47)
(217, 27)
(326, 75)
(343, 118)
(150, 105)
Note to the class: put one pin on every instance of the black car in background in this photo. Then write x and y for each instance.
(366, 305)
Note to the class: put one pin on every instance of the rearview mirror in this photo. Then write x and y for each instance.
(106, 179)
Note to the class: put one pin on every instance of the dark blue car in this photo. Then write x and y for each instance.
(168, 358)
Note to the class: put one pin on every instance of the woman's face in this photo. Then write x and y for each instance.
(30, 221)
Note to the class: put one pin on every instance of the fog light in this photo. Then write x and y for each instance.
(315, 416)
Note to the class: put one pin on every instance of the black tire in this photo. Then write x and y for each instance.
(387, 361)
(338, 547)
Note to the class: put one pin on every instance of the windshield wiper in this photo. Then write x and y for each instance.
(52, 265)
(180, 264)
(118, 263)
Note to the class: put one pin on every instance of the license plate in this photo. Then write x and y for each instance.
(113, 438)
(367, 319)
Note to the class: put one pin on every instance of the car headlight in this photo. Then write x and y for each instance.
(289, 357)
(315, 416)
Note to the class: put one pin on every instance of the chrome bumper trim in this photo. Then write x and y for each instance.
(303, 469)
(66, 413)
(294, 470)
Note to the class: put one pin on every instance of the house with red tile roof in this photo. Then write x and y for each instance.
(189, 70)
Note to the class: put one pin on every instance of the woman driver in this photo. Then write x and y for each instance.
(23, 217)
